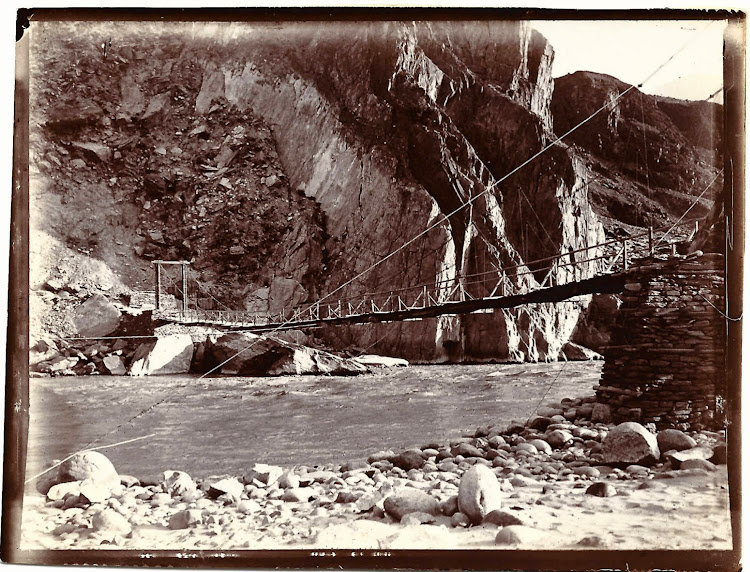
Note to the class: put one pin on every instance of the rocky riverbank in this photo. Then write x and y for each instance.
(563, 479)
(199, 351)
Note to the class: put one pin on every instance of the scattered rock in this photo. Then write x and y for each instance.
(703, 464)
(517, 534)
(478, 493)
(601, 413)
(673, 439)
(466, 450)
(297, 495)
(60, 491)
(248, 506)
(97, 150)
(539, 423)
(590, 541)
(460, 520)
(677, 458)
(381, 456)
(82, 112)
(558, 438)
(630, 443)
(541, 445)
(111, 521)
(177, 483)
(501, 518)
(345, 497)
(601, 489)
(417, 518)
(449, 507)
(114, 365)
(248, 354)
(185, 519)
(409, 459)
(408, 500)
(288, 480)
(266, 474)
(585, 471)
(230, 487)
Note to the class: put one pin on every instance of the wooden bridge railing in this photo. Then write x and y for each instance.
(605, 258)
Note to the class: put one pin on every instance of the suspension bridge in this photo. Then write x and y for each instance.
(599, 268)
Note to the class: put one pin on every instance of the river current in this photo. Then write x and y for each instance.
(225, 424)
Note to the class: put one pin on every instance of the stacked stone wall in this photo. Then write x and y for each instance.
(665, 361)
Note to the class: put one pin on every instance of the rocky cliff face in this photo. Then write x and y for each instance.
(650, 156)
(290, 158)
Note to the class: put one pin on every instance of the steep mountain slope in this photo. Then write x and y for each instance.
(650, 155)
(286, 159)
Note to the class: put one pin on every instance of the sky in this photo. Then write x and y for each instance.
(631, 50)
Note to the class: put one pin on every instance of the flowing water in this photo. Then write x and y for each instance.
(225, 424)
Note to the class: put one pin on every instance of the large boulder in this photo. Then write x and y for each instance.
(478, 493)
(408, 500)
(88, 472)
(97, 316)
(167, 355)
(630, 443)
(114, 364)
(248, 354)
(88, 465)
(575, 352)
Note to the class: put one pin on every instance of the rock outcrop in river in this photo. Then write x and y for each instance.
(285, 159)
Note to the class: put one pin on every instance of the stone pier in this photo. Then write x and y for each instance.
(665, 361)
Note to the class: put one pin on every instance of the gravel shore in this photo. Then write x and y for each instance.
(559, 480)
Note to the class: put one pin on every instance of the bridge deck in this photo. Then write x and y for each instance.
(610, 283)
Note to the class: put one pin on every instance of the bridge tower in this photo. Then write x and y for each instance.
(157, 281)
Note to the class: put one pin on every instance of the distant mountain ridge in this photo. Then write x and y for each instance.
(656, 153)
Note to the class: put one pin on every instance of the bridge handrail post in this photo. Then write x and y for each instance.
(651, 240)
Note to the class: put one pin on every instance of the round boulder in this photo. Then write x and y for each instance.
(558, 438)
(111, 522)
(467, 450)
(408, 500)
(601, 489)
(410, 459)
(478, 493)
(674, 439)
(89, 465)
(630, 443)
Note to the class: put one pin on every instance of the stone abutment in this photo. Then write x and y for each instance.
(665, 361)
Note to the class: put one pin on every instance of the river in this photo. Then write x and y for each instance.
(225, 424)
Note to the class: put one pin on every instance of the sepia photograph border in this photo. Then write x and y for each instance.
(17, 350)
